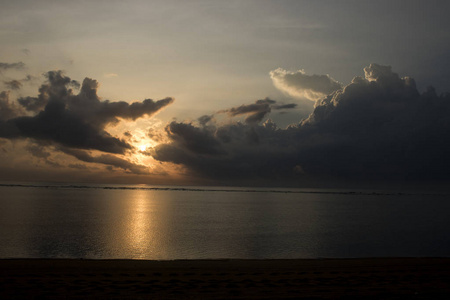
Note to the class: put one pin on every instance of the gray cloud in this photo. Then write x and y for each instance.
(77, 166)
(285, 106)
(233, 152)
(257, 111)
(106, 159)
(299, 84)
(41, 152)
(378, 127)
(7, 66)
(38, 151)
(203, 120)
(8, 109)
(75, 120)
(34, 104)
(195, 139)
(13, 84)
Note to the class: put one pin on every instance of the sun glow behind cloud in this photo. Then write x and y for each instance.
(143, 134)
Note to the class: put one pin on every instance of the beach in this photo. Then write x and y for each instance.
(359, 278)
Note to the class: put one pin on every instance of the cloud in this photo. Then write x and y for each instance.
(285, 106)
(38, 151)
(198, 140)
(16, 85)
(78, 166)
(111, 75)
(74, 120)
(16, 66)
(231, 152)
(203, 120)
(257, 111)
(106, 159)
(41, 152)
(13, 84)
(8, 109)
(299, 84)
(376, 128)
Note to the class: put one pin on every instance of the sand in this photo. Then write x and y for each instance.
(377, 278)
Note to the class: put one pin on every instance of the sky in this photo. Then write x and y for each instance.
(283, 93)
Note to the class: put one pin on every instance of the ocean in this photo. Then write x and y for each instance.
(166, 223)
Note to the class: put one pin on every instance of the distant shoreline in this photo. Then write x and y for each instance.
(226, 190)
(372, 278)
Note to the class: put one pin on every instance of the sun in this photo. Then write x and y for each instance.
(143, 148)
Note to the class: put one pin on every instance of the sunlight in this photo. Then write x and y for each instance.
(140, 229)
(142, 154)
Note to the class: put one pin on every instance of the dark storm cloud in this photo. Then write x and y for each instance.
(232, 151)
(299, 84)
(377, 127)
(58, 86)
(75, 120)
(257, 111)
(195, 139)
(7, 66)
(106, 159)
(33, 104)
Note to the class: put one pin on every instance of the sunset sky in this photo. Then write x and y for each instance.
(224, 92)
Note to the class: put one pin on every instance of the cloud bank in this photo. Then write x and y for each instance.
(376, 127)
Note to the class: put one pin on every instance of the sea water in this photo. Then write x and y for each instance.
(145, 222)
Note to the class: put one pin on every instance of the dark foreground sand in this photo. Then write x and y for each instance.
(387, 278)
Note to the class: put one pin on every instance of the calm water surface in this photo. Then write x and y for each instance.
(86, 222)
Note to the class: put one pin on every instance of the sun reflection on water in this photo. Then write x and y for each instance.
(141, 234)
